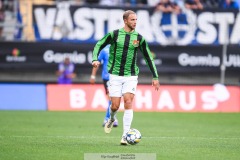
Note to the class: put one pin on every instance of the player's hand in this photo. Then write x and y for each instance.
(92, 80)
(155, 83)
(95, 63)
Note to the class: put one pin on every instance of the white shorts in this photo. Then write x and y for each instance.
(119, 85)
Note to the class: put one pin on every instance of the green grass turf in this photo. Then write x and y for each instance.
(48, 135)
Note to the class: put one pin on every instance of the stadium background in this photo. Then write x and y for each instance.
(194, 115)
(190, 49)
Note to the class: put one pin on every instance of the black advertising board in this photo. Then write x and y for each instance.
(44, 56)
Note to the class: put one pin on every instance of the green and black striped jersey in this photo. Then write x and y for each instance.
(123, 52)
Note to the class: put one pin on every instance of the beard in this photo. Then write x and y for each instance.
(131, 27)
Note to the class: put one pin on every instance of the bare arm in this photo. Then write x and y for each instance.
(93, 75)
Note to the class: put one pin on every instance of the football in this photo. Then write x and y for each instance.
(133, 136)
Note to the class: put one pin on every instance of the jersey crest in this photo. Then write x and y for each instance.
(135, 43)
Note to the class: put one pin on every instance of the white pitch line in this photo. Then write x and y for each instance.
(109, 137)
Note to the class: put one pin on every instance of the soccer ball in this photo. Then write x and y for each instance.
(133, 136)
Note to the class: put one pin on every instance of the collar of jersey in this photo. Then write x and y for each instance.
(127, 32)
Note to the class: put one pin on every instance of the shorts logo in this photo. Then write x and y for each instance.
(133, 89)
(135, 43)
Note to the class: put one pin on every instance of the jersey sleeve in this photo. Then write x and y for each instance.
(148, 58)
(101, 44)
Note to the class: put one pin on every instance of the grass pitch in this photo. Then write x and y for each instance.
(68, 135)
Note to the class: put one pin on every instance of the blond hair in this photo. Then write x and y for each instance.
(127, 13)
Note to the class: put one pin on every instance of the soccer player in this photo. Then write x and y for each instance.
(123, 69)
(103, 57)
(65, 72)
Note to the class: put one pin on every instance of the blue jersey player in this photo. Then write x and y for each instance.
(103, 57)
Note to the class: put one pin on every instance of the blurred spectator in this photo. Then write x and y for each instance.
(180, 3)
(229, 4)
(194, 4)
(167, 6)
(211, 3)
(65, 72)
(137, 3)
